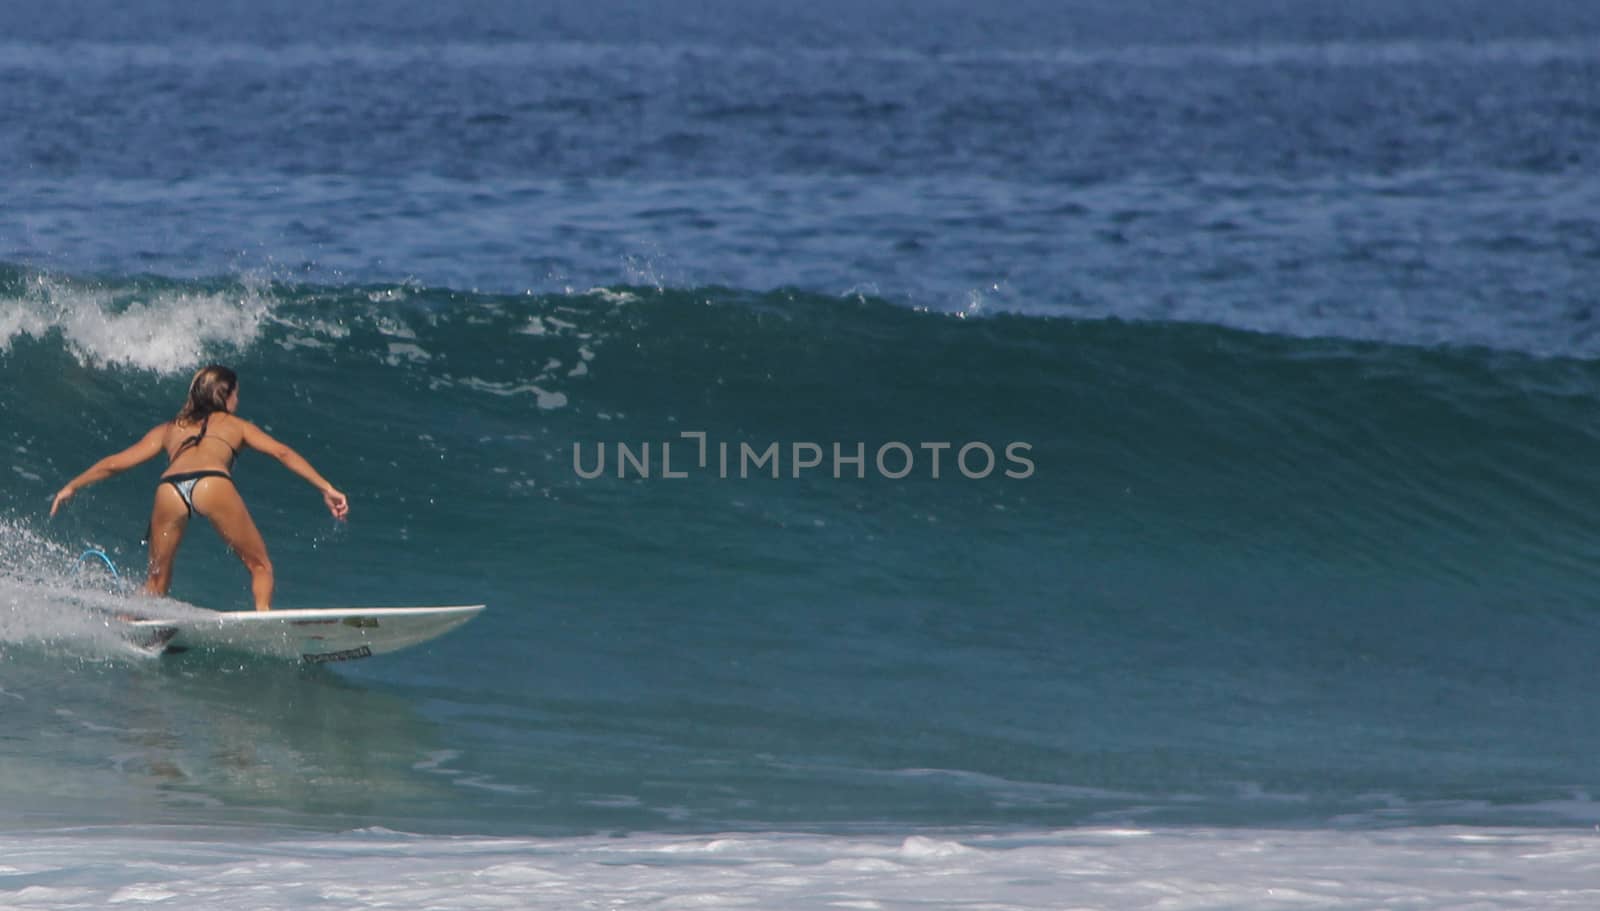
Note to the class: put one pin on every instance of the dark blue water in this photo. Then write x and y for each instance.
(1292, 311)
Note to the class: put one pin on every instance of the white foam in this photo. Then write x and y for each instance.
(46, 604)
(168, 330)
(395, 329)
(1168, 869)
(406, 352)
(613, 297)
(544, 398)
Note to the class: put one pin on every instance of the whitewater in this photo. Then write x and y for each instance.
(1083, 868)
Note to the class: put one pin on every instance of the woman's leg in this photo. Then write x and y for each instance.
(218, 500)
(168, 518)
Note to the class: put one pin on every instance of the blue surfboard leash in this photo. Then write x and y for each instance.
(92, 552)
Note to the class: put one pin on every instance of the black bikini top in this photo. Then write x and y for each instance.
(195, 441)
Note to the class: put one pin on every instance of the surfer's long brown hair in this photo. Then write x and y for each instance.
(208, 393)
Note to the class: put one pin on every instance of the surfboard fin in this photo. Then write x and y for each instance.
(152, 639)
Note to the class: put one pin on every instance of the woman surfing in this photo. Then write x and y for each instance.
(201, 444)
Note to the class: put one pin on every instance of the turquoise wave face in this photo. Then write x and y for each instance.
(1241, 576)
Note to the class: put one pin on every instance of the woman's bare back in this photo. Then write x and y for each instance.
(214, 451)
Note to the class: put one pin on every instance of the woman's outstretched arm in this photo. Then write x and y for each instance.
(137, 454)
(258, 439)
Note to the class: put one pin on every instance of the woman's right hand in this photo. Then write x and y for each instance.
(338, 503)
(62, 496)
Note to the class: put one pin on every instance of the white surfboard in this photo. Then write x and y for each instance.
(335, 634)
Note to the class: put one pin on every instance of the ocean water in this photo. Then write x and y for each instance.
(1047, 455)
